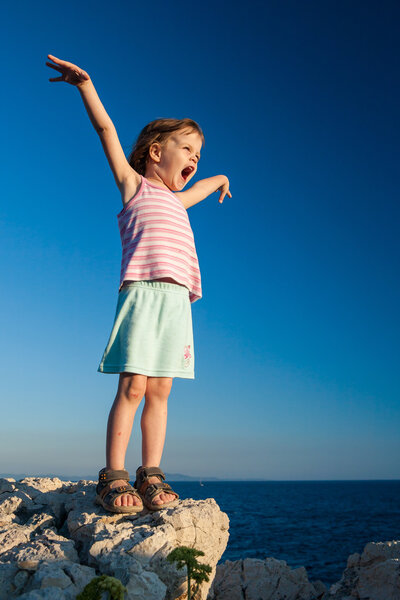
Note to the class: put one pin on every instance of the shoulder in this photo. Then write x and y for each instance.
(181, 197)
(130, 186)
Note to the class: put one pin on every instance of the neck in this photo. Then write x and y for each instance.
(155, 178)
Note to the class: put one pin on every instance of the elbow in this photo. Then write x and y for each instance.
(102, 129)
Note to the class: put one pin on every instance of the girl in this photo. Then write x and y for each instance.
(151, 341)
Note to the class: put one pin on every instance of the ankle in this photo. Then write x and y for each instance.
(111, 466)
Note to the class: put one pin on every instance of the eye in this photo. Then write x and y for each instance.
(187, 148)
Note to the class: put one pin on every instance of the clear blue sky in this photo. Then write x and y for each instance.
(297, 333)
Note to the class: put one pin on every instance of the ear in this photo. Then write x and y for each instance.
(155, 152)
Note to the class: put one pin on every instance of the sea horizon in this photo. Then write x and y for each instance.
(180, 477)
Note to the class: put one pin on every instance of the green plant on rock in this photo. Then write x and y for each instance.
(95, 588)
(184, 556)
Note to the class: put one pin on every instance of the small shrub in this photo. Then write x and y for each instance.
(184, 556)
(94, 589)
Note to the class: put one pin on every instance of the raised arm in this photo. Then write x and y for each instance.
(203, 188)
(99, 118)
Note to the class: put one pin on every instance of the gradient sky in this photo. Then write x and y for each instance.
(297, 333)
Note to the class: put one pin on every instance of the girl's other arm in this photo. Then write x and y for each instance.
(99, 118)
(203, 188)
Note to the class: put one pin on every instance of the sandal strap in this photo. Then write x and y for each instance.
(143, 474)
(155, 489)
(120, 489)
(108, 475)
(108, 494)
(148, 490)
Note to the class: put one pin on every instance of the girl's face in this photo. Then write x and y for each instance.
(175, 163)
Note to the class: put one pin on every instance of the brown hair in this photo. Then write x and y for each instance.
(157, 131)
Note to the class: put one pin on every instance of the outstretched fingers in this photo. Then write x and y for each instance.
(222, 196)
(70, 73)
(59, 61)
(59, 69)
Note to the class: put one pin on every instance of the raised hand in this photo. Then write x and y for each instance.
(70, 73)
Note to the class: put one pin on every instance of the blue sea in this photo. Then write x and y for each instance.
(315, 524)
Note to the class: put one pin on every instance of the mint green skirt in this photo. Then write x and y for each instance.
(152, 332)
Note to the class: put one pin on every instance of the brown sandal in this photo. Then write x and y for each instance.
(106, 495)
(148, 491)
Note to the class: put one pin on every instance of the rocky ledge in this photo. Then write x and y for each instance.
(54, 540)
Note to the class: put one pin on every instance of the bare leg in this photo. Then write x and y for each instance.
(131, 390)
(154, 426)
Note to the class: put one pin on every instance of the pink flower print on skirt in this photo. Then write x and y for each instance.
(186, 356)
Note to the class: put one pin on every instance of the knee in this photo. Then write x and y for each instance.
(158, 391)
(133, 392)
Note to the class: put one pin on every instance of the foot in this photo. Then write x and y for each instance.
(125, 499)
(163, 497)
(153, 489)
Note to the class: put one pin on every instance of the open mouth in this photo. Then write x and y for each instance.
(186, 172)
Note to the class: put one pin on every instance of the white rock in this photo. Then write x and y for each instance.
(35, 486)
(373, 575)
(39, 522)
(28, 565)
(7, 575)
(20, 580)
(80, 575)
(69, 577)
(8, 519)
(51, 575)
(11, 502)
(6, 485)
(12, 535)
(268, 579)
(47, 546)
(132, 548)
(45, 594)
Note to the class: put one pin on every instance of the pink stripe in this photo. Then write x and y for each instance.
(168, 271)
(143, 214)
(147, 215)
(159, 239)
(159, 263)
(148, 224)
(154, 202)
(140, 211)
(160, 272)
(142, 251)
(188, 272)
(145, 256)
(165, 230)
(154, 199)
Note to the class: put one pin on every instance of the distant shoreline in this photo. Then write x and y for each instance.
(178, 477)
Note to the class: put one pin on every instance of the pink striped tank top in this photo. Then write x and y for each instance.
(157, 239)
